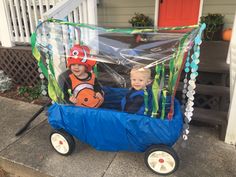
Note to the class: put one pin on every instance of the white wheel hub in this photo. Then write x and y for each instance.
(161, 162)
(59, 143)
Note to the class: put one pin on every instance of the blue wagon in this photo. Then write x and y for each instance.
(111, 130)
(107, 128)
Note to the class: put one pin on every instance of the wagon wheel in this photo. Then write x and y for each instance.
(62, 142)
(161, 159)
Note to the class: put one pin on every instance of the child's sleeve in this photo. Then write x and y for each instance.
(97, 87)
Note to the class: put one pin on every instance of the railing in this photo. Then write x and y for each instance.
(20, 17)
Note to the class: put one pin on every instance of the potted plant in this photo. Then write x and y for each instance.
(214, 26)
(141, 20)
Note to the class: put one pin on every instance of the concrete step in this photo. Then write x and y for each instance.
(213, 90)
(13, 116)
(212, 117)
(218, 67)
(213, 57)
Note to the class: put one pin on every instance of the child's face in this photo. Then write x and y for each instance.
(78, 70)
(139, 81)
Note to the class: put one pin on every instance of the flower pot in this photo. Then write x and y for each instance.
(137, 25)
(227, 33)
(213, 32)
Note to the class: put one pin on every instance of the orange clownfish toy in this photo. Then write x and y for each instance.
(83, 90)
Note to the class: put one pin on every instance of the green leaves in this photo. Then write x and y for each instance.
(139, 20)
(30, 92)
(213, 19)
(155, 90)
(214, 25)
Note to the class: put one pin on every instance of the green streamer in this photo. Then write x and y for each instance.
(37, 55)
(50, 64)
(146, 102)
(171, 72)
(54, 91)
(155, 90)
(33, 40)
(177, 63)
(43, 68)
(95, 69)
(163, 101)
(163, 111)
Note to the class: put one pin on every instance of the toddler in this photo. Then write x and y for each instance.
(79, 84)
(133, 102)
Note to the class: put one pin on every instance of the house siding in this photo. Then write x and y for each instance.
(115, 13)
(226, 7)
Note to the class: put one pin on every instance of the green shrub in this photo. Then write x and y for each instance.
(140, 20)
(214, 26)
(30, 92)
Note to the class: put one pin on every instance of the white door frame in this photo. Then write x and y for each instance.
(157, 11)
(230, 137)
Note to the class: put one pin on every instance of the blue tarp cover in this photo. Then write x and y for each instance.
(111, 130)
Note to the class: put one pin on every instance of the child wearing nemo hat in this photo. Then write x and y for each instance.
(79, 84)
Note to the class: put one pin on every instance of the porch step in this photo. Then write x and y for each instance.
(212, 117)
(218, 67)
(213, 90)
(213, 57)
(209, 116)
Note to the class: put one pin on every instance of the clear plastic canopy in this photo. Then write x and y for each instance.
(112, 53)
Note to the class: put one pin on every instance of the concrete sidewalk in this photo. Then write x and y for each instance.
(203, 155)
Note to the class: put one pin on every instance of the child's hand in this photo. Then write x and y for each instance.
(73, 99)
(99, 95)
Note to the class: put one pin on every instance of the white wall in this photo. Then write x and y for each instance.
(231, 130)
(116, 13)
(225, 7)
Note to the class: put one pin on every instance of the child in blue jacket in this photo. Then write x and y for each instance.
(133, 102)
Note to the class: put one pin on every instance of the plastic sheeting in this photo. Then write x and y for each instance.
(56, 44)
(166, 51)
(111, 130)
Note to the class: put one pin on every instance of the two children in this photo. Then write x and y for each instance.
(79, 84)
(81, 87)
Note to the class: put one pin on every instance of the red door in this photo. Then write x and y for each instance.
(178, 12)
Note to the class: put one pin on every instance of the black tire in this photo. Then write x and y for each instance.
(161, 159)
(62, 142)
